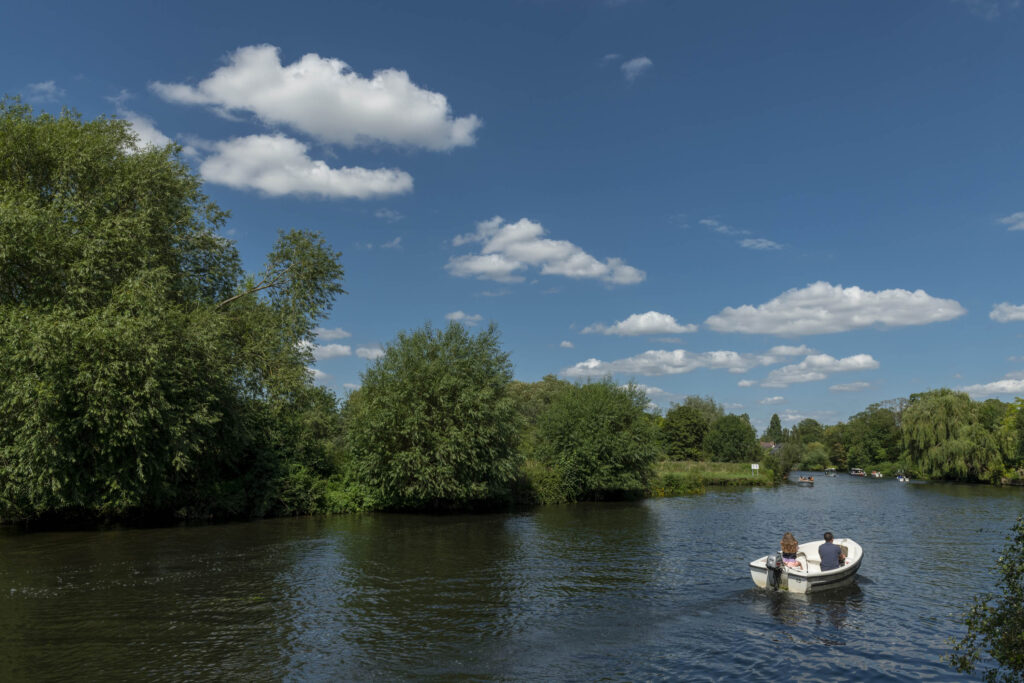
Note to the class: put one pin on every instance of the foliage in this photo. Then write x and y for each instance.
(674, 478)
(598, 440)
(706, 406)
(732, 439)
(808, 431)
(814, 457)
(995, 622)
(944, 439)
(433, 424)
(683, 431)
(142, 374)
(532, 400)
(774, 431)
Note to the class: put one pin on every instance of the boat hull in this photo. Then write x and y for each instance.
(811, 579)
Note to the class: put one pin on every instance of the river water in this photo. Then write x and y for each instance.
(656, 589)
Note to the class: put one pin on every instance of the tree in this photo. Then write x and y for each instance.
(808, 431)
(598, 440)
(138, 363)
(732, 439)
(943, 438)
(706, 406)
(433, 424)
(532, 400)
(995, 622)
(774, 431)
(683, 432)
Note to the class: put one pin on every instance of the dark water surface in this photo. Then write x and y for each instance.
(657, 589)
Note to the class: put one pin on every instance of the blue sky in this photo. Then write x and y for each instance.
(797, 207)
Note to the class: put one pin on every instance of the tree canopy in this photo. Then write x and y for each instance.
(732, 439)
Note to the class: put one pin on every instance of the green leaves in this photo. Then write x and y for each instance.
(944, 438)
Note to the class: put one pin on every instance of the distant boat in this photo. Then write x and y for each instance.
(770, 572)
(902, 478)
(830, 471)
(857, 472)
(876, 474)
(806, 481)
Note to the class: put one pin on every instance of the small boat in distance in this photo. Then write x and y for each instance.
(876, 474)
(902, 478)
(857, 472)
(806, 481)
(830, 471)
(769, 571)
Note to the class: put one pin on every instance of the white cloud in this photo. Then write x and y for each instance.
(650, 322)
(566, 344)
(389, 215)
(746, 383)
(1013, 384)
(722, 228)
(821, 308)
(331, 351)
(325, 98)
(817, 367)
(512, 247)
(370, 352)
(759, 243)
(278, 165)
(46, 91)
(332, 334)
(660, 362)
(610, 57)
(1014, 220)
(1005, 313)
(772, 400)
(393, 244)
(988, 9)
(318, 375)
(459, 316)
(852, 386)
(149, 134)
(350, 386)
(634, 67)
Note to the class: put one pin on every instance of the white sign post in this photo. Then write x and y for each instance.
(754, 466)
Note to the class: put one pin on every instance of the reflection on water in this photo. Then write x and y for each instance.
(647, 590)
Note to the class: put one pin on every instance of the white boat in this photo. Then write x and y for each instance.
(902, 478)
(830, 471)
(769, 572)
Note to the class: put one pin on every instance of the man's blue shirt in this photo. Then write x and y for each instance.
(829, 554)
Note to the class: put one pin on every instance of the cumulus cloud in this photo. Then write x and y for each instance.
(632, 68)
(821, 308)
(509, 248)
(46, 91)
(278, 165)
(722, 228)
(148, 134)
(393, 244)
(389, 215)
(566, 344)
(331, 351)
(1012, 384)
(746, 383)
(772, 400)
(317, 375)
(332, 334)
(325, 98)
(1015, 221)
(817, 367)
(759, 243)
(650, 322)
(662, 362)
(459, 316)
(852, 386)
(1005, 313)
(370, 352)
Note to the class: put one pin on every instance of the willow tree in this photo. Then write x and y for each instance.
(139, 361)
(944, 439)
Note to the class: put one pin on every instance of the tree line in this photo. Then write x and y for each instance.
(146, 374)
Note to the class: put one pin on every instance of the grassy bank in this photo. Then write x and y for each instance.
(676, 478)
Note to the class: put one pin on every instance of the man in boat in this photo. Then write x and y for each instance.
(831, 555)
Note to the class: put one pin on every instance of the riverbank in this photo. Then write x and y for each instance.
(676, 478)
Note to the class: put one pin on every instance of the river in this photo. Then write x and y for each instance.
(655, 589)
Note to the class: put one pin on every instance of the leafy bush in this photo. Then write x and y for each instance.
(599, 441)
(433, 424)
(732, 439)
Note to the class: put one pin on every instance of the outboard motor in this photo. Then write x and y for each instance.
(774, 566)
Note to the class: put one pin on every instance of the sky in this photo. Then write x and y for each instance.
(799, 208)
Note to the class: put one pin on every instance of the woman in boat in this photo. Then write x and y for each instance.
(789, 550)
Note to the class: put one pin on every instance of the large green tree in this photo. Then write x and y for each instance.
(774, 431)
(138, 359)
(683, 431)
(434, 424)
(598, 441)
(732, 439)
(944, 438)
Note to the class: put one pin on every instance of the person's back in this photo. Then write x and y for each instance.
(831, 555)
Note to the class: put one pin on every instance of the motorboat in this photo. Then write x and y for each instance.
(806, 481)
(902, 478)
(770, 572)
(876, 474)
(830, 471)
(858, 472)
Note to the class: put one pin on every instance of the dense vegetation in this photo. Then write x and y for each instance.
(146, 374)
(994, 641)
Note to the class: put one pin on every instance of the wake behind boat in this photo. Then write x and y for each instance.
(770, 572)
